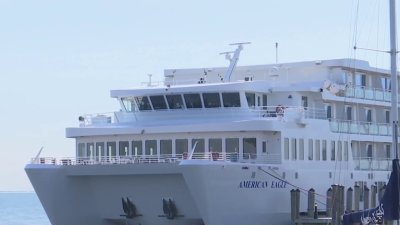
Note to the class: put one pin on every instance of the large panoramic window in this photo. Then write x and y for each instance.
(181, 146)
(129, 104)
(211, 100)
(175, 101)
(231, 99)
(251, 99)
(151, 147)
(100, 150)
(81, 150)
(232, 145)
(249, 148)
(192, 101)
(137, 148)
(199, 143)
(143, 103)
(111, 149)
(123, 148)
(215, 145)
(158, 102)
(90, 150)
(166, 147)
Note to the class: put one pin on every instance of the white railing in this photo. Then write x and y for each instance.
(358, 127)
(368, 163)
(210, 156)
(368, 93)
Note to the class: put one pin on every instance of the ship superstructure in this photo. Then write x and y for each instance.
(209, 146)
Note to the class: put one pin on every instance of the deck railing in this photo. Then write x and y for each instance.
(368, 93)
(368, 163)
(359, 127)
(169, 158)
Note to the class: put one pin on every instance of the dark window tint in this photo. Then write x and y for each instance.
(175, 101)
(143, 103)
(158, 102)
(211, 100)
(251, 99)
(231, 99)
(192, 101)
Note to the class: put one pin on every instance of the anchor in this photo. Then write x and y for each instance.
(129, 209)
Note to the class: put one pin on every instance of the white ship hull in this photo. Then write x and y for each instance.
(205, 192)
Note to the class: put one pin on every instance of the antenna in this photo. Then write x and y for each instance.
(276, 52)
(233, 59)
(149, 84)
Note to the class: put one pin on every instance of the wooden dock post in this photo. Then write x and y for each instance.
(329, 202)
(366, 197)
(338, 201)
(295, 203)
(357, 193)
(349, 200)
(311, 202)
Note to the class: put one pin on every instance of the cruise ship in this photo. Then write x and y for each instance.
(223, 145)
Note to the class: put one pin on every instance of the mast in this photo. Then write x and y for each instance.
(393, 69)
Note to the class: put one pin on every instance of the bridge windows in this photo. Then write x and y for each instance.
(211, 100)
(251, 99)
(175, 101)
(158, 102)
(143, 103)
(193, 101)
(231, 99)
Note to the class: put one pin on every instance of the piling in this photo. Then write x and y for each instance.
(366, 197)
(336, 200)
(329, 202)
(357, 193)
(311, 202)
(373, 195)
(295, 203)
(349, 200)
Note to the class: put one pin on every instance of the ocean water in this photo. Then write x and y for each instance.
(21, 209)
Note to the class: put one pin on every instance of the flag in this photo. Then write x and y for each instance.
(388, 207)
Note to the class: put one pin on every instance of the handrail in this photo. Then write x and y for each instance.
(167, 158)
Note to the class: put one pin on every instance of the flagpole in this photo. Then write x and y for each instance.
(393, 70)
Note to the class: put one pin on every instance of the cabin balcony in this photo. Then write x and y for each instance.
(368, 93)
(359, 127)
(370, 163)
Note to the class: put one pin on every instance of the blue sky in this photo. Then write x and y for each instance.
(59, 59)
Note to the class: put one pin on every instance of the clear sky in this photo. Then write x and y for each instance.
(59, 59)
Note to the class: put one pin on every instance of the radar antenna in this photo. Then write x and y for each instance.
(233, 60)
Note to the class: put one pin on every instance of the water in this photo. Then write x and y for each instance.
(21, 209)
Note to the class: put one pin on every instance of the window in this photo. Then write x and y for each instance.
(369, 150)
(166, 147)
(200, 146)
(215, 145)
(310, 149)
(317, 150)
(294, 148)
(304, 102)
(339, 151)
(301, 149)
(181, 146)
(90, 150)
(249, 148)
(100, 150)
(128, 103)
(112, 149)
(231, 99)
(81, 150)
(264, 147)
(387, 116)
(368, 115)
(123, 148)
(158, 102)
(349, 113)
(333, 151)
(361, 80)
(137, 148)
(174, 101)
(251, 99)
(232, 145)
(346, 151)
(385, 82)
(143, 103)
(286, 148)
(328, 111)
(150, 147)
(324, 149)
(211, 100)
(265, 100)
(192, 101)
(387, 149)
